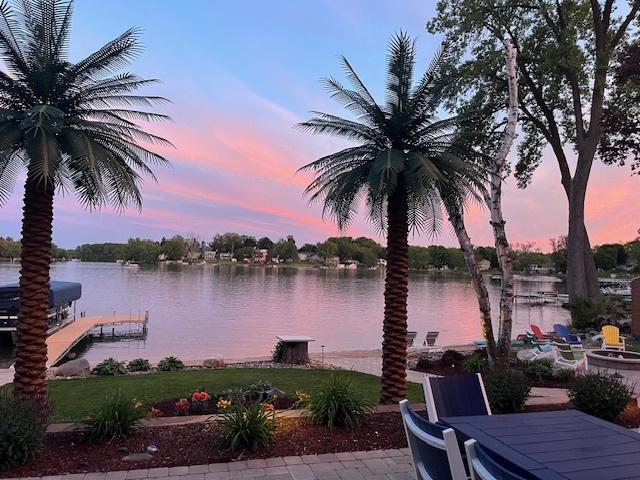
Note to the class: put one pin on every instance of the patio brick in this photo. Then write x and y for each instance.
(139, 473)
(117, 475)
(73, 476)
(293, 460)
(218, 467)
(217, 476)
(158, 472)
(275, 462)
(345, 456)
(198, 469)
(279, 470)
(95, 476)
(177, 471)
(301, 472)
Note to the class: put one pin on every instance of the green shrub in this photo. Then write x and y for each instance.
(110, 367)
(278, 352)
(451, 358)
(507, 390)
(337, 405)
(540, 368)
(585, 313)
(599, 395)
(257, 391)
(565, 374)
(246, 427)
(170, 364)
(22, 427)
(477, 362)
(117, 416)
(139, 365)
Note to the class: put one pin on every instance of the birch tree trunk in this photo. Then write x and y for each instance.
(493, 199)
(484, 303)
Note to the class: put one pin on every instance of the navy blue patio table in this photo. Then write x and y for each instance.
(556, 445)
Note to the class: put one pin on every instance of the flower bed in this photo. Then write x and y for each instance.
(168, 408)
(193, 444)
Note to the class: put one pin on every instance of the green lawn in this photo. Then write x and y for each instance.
(74, 399)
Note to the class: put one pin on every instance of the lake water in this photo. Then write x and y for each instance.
(207, 311)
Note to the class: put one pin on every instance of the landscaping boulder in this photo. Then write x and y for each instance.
(213, 363)
(74, 368)
(51, 373)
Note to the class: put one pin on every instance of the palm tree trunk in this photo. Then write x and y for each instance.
(32, 326)
(479, 285)
(396, 288)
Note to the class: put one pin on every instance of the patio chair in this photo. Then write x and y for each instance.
(455, 396)
(540, 349)
(611, 339)
(434, 449)
(411, 337)
(483, 466)
(566, 356)
(563, 332)
(430, 339)
(537, 333)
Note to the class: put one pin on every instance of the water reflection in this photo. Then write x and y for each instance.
(236, 311)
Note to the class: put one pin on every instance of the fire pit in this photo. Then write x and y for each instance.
(613, 359)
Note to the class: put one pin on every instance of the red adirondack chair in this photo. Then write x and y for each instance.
(538, 333)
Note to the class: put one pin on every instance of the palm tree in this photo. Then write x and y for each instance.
(404, 159)
(71, 127)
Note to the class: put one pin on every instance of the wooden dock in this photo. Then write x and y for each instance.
(61, 342)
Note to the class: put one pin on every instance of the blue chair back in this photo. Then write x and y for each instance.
(486, 466)
(434, 448)
(456, 396)
(563, 332)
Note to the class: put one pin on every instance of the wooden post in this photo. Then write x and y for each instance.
(635, 307)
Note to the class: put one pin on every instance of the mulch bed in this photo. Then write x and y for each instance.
(167, 408)
(194, 444)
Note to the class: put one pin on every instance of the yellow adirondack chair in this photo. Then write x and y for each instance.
(611, 339)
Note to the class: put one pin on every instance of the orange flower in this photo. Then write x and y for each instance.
(155, 412)
(268, 406)
(223, 404)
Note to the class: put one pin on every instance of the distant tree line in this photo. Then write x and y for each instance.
(361, 249)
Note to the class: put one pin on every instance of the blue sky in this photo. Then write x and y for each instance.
(240, 75)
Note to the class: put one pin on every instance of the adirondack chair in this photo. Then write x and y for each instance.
(541, 337)
(611, 339)
(434, 449)
(563, 332)
(567, 356)
(540, 349)
(483, 466)
(455, 396)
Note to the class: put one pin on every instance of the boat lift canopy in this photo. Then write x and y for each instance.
(60, 294)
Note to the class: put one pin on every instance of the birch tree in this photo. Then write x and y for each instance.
(492, 194)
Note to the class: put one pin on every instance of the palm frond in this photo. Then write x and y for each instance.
(401, 60)
(116, 54)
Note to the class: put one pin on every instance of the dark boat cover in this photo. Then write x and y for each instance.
(60, 293)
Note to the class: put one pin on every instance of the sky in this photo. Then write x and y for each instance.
(240, 75)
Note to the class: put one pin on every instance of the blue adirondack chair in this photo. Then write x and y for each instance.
(563, 332)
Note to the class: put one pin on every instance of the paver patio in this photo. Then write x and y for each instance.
(369, 465)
